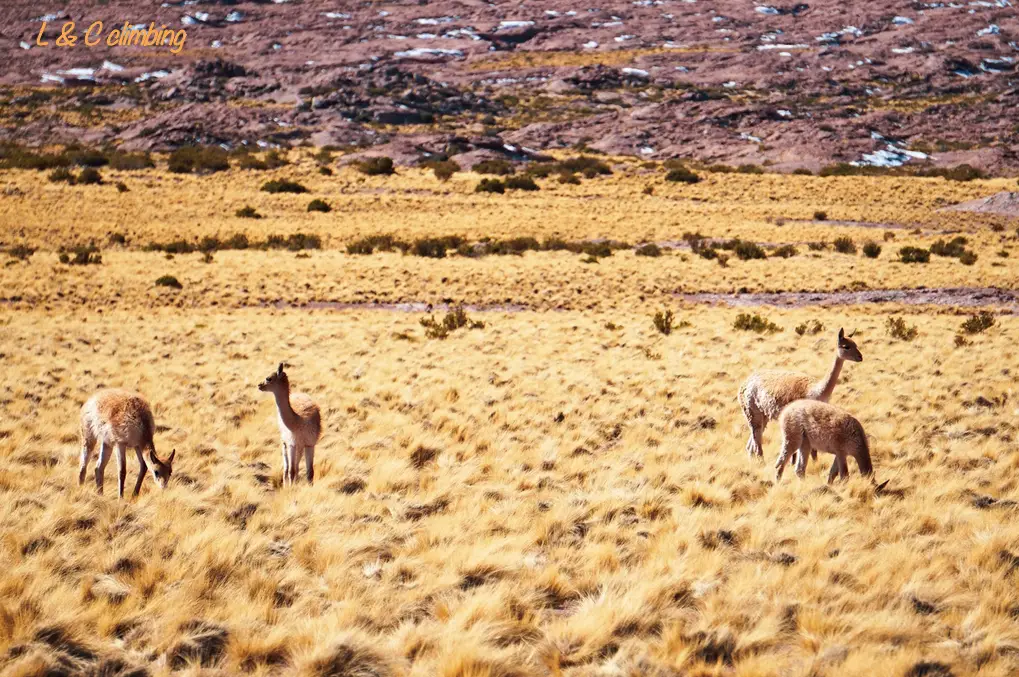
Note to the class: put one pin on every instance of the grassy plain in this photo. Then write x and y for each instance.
(562, 492)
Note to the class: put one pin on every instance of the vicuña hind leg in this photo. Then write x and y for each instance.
(286, 465)
(142, 467)
(834, 470)
(309, 462)
(121, 469)
(790, 443)
(104, 458)
(294, 465)
(87, 445)
(801, 457)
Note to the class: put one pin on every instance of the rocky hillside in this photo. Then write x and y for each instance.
(806, 84)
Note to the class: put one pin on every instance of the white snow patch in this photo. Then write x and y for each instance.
(763, 9)
(590, 45)
(152, 75)
(422, 51)
(514, 24)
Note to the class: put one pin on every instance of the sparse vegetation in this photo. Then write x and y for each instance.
(90, 177)
(844, 245)
(169, 281)
(820, 216)
(247, 212)
(871, 250)
(898, 329)
(914, 255)
(376, 166)
(490, 186)
(682, 175)
(456, 318)
(648, 249)
(520, 183)
(82, 255)
(809, 328)
(978, 323)
(494, 167)
(663, 321)
(318, 205)
(283, 186)
(198, 159)
(755, 323)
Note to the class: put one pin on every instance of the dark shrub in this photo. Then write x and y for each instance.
(496, 167)
(209, 244)
(317, 205)
(663, 322)
(802, 171)
(954, 248)
(744, 250)
(569, 178)
(967, 258)
(435, 247)
(490, 186)
(131, 161)
(443, 169)
(521, 183)
(283, 186)
(21, 252)
(749, 169)
(247, 212)
(820, 216)
(898, 329)
(367, 245)
(375, 166)
(251, 162)
(978, 323)
(169, 281)
(914, 255)
(588, 166)
(238, 241)
(817, 246)
(844, 245)
(755, 323)
(325, 171)
(682, 175)
(649, 249)
(62, 174)
(456, 318)
(82, 256)
(809, 328)
(554, 244)
(122, 187)
(872, 250)
(274, 159)
(201, 159)
(785, 251)
(90, 177)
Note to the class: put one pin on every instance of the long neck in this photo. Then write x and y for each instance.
(287, 412)
(826, 386)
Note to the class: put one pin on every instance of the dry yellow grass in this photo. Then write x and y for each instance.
(557, 493)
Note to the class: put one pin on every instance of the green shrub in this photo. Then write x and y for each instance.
(744, 249)
(295, 243)
(755, 323)
(494, 167)
(967, 258)
(375, 166)
(247, 212)
(954, 248)
(802, 171)
(456, 318)
(785, 251)
(898, 329)
(978, 323)
(521, 183)
(569, 178)
(367, 245)
(131, 161)
(749, 169)
(914, 255)
(251, 162)
(682, 175)
(443, 169)
(21, 252)
(649, 249)
(122, 187)
(820, 216)
(490, 186)
(435, 247)
(90, 177)
(663, 321)
(872, 250)
(588, 166)
(169, 281)
(274, 159)
(283, 186)
(317, 205)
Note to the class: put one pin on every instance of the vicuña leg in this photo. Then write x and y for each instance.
(801, 458)
(87, 446)
(142, 467)
(295, 463)
(834, 470)
(121, 469)
(789, 444)
(309, 462)
(286, 465)
(104, 458)
(843, 468)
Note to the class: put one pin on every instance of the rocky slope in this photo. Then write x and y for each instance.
(740, 81)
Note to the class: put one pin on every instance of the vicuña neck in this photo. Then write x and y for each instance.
(283, 404)
(825, 387)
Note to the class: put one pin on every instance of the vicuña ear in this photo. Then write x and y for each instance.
(153, 457)
(169, 461)
(280, 370)
(842, 334)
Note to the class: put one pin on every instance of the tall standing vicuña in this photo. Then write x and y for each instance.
(300, 425)
(765, 393)
(120, 419)
(809, 425)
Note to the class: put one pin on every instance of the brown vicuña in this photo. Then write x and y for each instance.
(120, 419)
(765, 393)
(300, 425)
(810, 425)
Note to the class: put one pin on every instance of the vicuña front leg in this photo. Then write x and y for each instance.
(309, 462)
(142, 467)
(121, 469)
(286, 465)
(104, 458)
(801, 458)
(295, 463)
(86, 453)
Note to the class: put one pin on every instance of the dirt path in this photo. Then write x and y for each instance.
(966, 297)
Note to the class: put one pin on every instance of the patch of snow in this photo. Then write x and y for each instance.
(425, 36)
(335, 15)
(235, 16)
(152, 75)
(514, 24)
(902, 21)
(763, 9)
(434, 21)
(110, 66)
(624, 38)
(422, 51)
(902, 50)
(647, 150)
(993, 29)
(785, 113)
(775, 46)
(49, 17)
(24, 45)
(749, 137)
(590, 45)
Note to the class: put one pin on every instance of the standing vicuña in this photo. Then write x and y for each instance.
(300, 425)
(121, 419)
(809, 425)
(764, 395)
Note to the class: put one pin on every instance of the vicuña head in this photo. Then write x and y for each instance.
(276, 381)
(846, 347)
(765, 393)
(161, 470)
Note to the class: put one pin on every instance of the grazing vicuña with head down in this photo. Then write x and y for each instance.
(300, 425)
(121, 419)
(809, 425)
(763, 396)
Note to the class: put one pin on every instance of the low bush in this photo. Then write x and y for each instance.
(898, 329)
(820, 216)
(682, 175)
(21, 252)
(663, 321)
(90, 177)
(588, 166)
(953, 248)
(131, 161)
(494, 167)
(755, 323)
(82, 256)
(844, 245)
(744, 249)
(443, 169)
(317, 205)
(785, 251)
(802, 171)
(490, 186)
(649, 249)
(435, 247)
(809, 328)
(872, 250)
(967, 258)
(455, 319)
(914, 255)
(169, 281)
(283, 186)
(521, 183)
(749, 169)
(569, 178)
(978, 323)
(247, 212)
(371, 243)
(295, 243)
(122, 187)
(200, 159)
(375, 166)
(62, 174)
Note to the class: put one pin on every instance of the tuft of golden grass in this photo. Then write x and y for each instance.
(562, 492)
